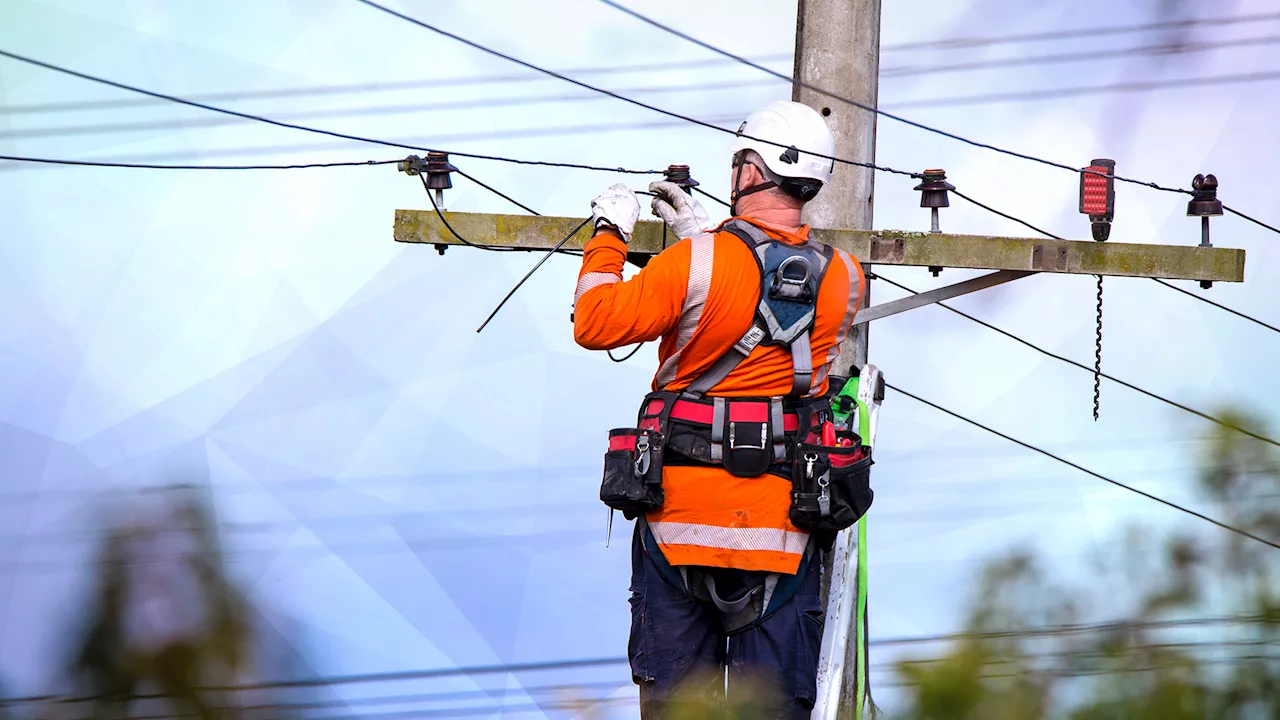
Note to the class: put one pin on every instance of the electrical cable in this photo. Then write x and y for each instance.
(864, 106)
(623, 69)
(713, 197)
(142, 166)
(1063, 92)
(990, 209)
(1201, 298)
(1091, 32)
(443, 219)
(628, 356)
(518, 133)
(1086, 368)
(610, 93)
(1006, 216)
(366, 88)
(1158, 280)
(500, 194)
(381, 111)
(1255, 221)
(1046, 453)
(294, 126)
(1092, 55)
(532, 270)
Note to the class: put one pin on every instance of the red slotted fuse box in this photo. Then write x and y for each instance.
(1098, 196)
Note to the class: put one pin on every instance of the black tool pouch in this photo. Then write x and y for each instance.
(830, 486)
(633, 472)
(745, 446)
(633, 465)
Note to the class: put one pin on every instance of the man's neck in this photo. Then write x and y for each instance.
(772, 210)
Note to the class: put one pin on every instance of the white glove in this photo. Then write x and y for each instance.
(678, 209)
(618, 207)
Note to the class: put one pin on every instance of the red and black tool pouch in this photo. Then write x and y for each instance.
(830, 485)
(633, 464)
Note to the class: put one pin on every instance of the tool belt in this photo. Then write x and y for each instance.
(748, 437)
(751, 436)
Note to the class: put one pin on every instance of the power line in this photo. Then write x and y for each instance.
(1084, 32)
(1006, 216)
(622, 69)
(364, 88)
(1061, 92)
(383, 110)
(1046, 453)
(1082, 366)
(500, 194)
(292, 126)
(1158, 280)
(1086, 56)
(378, 110)
(92, 163)
(1202, 298)
(1255, 221)
(491, 135)
(610, 93)
(864, 106)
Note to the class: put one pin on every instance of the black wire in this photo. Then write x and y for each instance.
(1007, 216)
(1093, 55)
(293, 126)
(1201, 298)
(1085, 470)
(92, 163)
(1061, 92)
(629, 355)
(868, 108)
(1087, 369)
(468, 243)
(1090, 32)
(616, 96)
(431, 196)
(502, 195)
(1255, 221)
(384, 110)
(1162, 282)
(550, 252)
(713, 197)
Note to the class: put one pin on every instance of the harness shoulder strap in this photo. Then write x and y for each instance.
(765, 324)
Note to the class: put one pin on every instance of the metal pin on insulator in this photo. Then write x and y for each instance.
(679, 174)
(933, 195)
(1204, 204)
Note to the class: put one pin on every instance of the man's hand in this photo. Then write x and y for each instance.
(678, 209)
(617, 207)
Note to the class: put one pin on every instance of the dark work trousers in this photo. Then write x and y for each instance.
(679, 650)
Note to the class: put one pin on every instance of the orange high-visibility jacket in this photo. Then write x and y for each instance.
(700, 295)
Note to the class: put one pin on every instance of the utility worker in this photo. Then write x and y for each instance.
(721, 577)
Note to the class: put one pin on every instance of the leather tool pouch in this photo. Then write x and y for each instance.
(830, 486)
(632, 480)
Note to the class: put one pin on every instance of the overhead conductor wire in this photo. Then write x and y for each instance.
(303, 128)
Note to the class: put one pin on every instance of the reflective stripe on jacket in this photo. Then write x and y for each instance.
(699, 296)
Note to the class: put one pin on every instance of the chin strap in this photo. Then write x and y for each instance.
(737, 195)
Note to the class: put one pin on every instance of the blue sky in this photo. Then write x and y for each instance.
(416, 495)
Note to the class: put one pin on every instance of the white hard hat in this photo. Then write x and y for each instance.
(789, 125)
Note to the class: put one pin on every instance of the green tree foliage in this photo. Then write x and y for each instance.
(1195, 635)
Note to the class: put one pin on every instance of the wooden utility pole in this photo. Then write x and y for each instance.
(838, 49)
